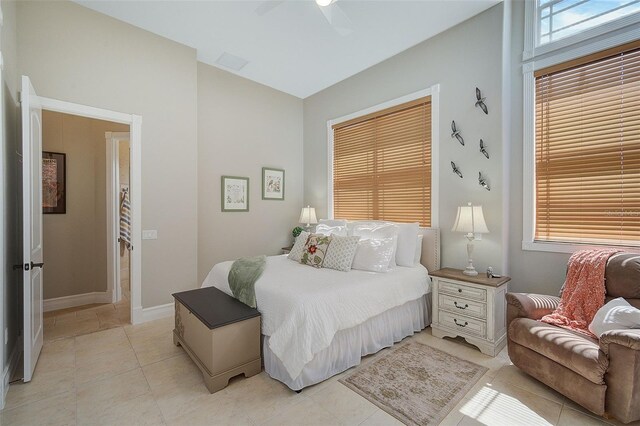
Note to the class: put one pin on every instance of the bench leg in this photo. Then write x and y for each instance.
(221, 381)
(214, 384)
(253, 368)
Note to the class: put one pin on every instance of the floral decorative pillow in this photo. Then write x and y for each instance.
(298, 247)
(315, 250)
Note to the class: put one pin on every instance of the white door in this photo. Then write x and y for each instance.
(32, 225)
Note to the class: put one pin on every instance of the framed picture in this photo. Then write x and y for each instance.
(272, 184)
(235, 194)
(54, 183)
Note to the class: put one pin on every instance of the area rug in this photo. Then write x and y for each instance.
(415, 383)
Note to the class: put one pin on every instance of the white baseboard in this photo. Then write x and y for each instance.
(141, 314)
(8, 371)
(77, 300)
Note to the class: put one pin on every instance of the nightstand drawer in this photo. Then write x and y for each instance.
(464, 324)
(463, 306)
(468, 292)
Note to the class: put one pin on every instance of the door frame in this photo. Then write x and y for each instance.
(113, 140)
(4, 374)
(135, 183)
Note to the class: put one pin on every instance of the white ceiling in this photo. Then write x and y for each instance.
(292, 47)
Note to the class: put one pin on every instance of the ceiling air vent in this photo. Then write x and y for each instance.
(230, 61)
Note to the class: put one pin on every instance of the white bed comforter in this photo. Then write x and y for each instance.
(303, 307)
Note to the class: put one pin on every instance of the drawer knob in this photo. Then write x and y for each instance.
(460, 307)
(460, 325)
(459, 290)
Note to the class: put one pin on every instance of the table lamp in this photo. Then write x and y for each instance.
(470, 220)
(308, 216)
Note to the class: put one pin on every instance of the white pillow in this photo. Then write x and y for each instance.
(418, 253)
(615, 315)
(333, 222)
(376, 231)
(374, 254)
(298, 246)
(340, 253)
(407, 237)
(325, 229)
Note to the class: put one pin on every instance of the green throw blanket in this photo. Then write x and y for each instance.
(243, 275)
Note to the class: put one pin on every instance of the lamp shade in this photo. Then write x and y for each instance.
(470, 220)
(308, 215)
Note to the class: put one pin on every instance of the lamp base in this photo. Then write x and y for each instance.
(471, 271)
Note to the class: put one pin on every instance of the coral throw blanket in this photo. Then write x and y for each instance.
(584, 291)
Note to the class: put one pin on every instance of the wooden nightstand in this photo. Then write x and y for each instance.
(471, 307)
(286, 250)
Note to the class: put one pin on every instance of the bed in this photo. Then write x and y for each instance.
(319, 322)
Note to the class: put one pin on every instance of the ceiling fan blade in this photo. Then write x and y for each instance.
(267, 6)
(338, 19)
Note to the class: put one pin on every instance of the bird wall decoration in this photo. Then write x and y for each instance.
(483, 182)
(483, 149)
(455, 169)
(456, 133)
(480, 101)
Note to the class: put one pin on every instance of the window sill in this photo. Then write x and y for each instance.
(555, 247)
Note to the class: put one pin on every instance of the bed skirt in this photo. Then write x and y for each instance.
(350, 345)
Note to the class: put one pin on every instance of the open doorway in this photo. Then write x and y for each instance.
(79, 293)
(33, 263)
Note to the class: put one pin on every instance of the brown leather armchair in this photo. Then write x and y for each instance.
(601, 375)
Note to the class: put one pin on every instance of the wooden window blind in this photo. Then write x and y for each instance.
(382, 165)
(588, 149)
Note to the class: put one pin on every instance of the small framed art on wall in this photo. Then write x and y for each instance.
(272, 184)
(235, 194)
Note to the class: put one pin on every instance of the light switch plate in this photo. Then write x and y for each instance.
(150, 234)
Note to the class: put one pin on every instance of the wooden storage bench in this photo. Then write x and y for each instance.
(220, 334)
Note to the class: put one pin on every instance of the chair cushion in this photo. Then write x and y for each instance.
(575, 351)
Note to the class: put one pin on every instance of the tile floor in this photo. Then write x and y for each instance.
(86, 319)
(135, 375)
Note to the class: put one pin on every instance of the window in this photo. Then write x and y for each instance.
(586, 26)
(382, 164)
(558, 19)
(587, 149)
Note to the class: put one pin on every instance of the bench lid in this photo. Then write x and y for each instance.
(215, 308)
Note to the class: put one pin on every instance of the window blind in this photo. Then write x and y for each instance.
(382, 165)
(588, 149)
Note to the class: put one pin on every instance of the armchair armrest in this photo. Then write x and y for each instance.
(622, 348)
(527, 305)
(628, 338)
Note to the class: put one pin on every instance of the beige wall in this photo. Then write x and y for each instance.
(459, 59)
(11, 202)
(77, 55)
(535, 272)
(242, 127)
(75, 242)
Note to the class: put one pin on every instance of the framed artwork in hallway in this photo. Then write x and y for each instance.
(54, 182)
